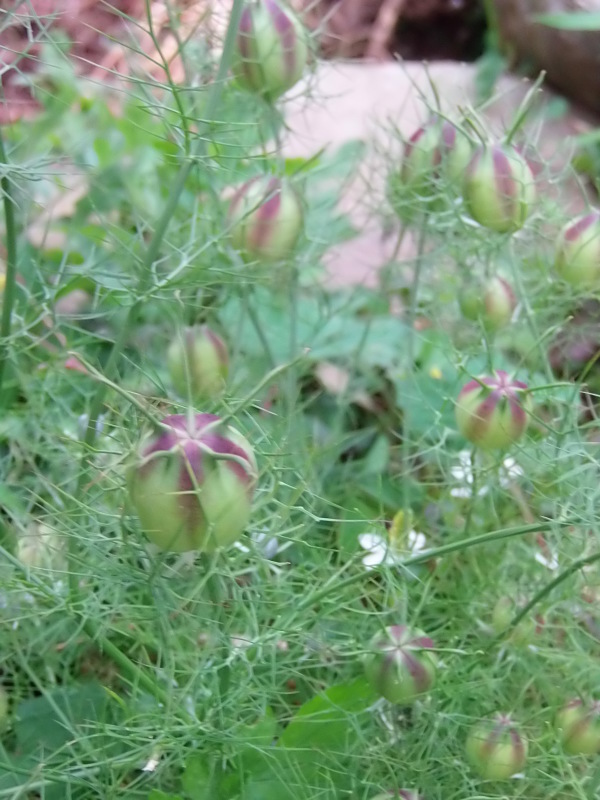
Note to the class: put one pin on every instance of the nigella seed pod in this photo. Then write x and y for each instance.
(579, 726)
(496, 749)
(266, 219)
(505, 609)
(192, 484)
(271, 49)
(499, 189)
(401, 664)
(493, 411)
(399, 794)
(578, 251)
(493, 303)
(198, 363)
(434, 160)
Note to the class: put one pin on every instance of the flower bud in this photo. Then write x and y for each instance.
(266, 219)
(401, 664)
(192, 484)
(493, 411)
(198, 363)
(496, 748)
(578, 251)
(493, 303)
(579, 726)
(499, 188)
(436, 154)
(271, 49)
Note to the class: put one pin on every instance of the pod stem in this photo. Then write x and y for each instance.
(11, 261)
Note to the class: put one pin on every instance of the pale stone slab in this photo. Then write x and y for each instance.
(341, 102)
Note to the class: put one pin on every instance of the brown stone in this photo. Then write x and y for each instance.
(571, 59)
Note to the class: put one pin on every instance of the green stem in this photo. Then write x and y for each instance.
(11, 263)
(410, 357)
(428, 555)
(550, 587)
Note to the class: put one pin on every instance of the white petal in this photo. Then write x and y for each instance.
(241, 547)
(416, 541)
(270, 548)
(461, 492)
(376, 557)
(369, 541)
(550, 563)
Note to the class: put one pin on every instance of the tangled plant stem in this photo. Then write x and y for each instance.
(11, 261)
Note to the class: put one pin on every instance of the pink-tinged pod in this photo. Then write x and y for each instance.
(401, 664)
(493, 303)
(496, 748)
(499, 188)
(198, 363)
(435, 157)
(579, 727)
(578, 251)
(192, 484)
(493, 411)
(272, 49)
(266, 219)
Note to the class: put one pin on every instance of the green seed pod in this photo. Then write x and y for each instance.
(578, 251)
(266, 219)
(496, 749)
(502, 614)
(499, 189)
(437, 153)
(192, 484)
(198, 363)
(493, 303)
(401, 664)
(272, 49)
(579, 727)
(493, 412)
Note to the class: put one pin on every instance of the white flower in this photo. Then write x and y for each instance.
(463, 473)
(265, 544)
(509, 471)
(550, 561)
(382, 551)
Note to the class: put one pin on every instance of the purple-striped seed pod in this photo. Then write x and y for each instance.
(192, 484)
(499, 188)
(401, 664)
(578, 251)
(272, 49)
(579, 726)
(435, 156)
(493, 303)
(198, 363)
(493, 411)
(399, 794)
(266, 219)
(496, 748)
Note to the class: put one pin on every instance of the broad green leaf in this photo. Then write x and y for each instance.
(63, 715)
(197, 779)
(331, 720)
